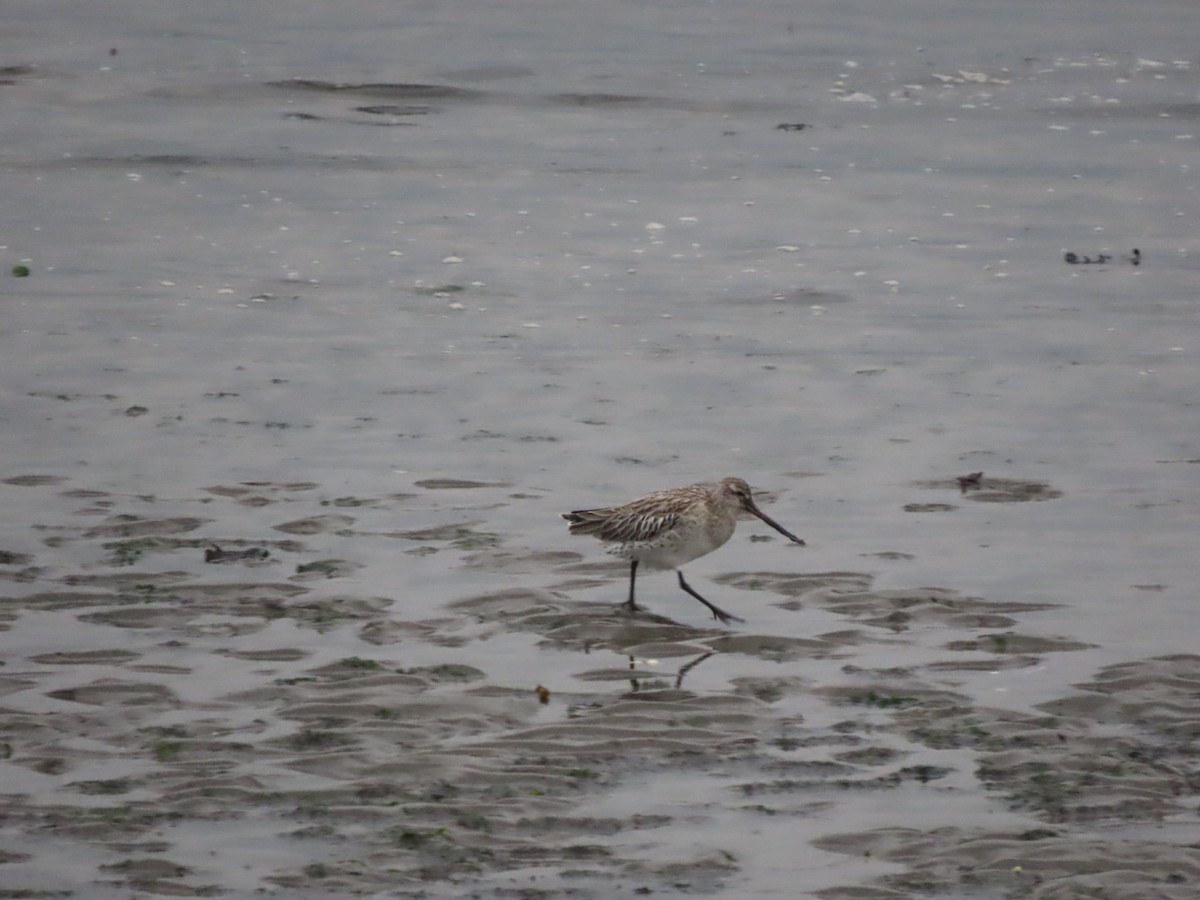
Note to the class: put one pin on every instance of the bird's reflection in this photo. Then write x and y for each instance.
(636, 683)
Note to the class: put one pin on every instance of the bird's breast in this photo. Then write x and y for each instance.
(688, 540)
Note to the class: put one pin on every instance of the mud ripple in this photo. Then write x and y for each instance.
(328, 524)
(128, 526)
(1070, 769)
(407, 765)
(983, 489)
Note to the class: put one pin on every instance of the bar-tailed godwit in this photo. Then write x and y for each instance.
(666, 529)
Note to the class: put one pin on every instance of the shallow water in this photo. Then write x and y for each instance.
(382, 289)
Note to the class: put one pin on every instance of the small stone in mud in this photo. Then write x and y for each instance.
(1074, 259)
(966, 482)
(216, 554)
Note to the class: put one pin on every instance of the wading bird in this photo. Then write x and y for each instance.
(668, 528)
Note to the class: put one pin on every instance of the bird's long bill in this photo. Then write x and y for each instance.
(762, 515)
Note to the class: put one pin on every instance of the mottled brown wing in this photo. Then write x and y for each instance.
(618, 525)
(630, 527)
(642, 520)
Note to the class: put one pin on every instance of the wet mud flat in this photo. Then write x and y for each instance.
(247, 723)
(314, 324)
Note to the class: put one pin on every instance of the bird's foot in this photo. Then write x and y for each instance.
(724, 617)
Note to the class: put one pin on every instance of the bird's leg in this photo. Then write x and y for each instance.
(630, 604)
(717, 612)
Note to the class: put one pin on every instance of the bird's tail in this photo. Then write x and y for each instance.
(585, 521)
